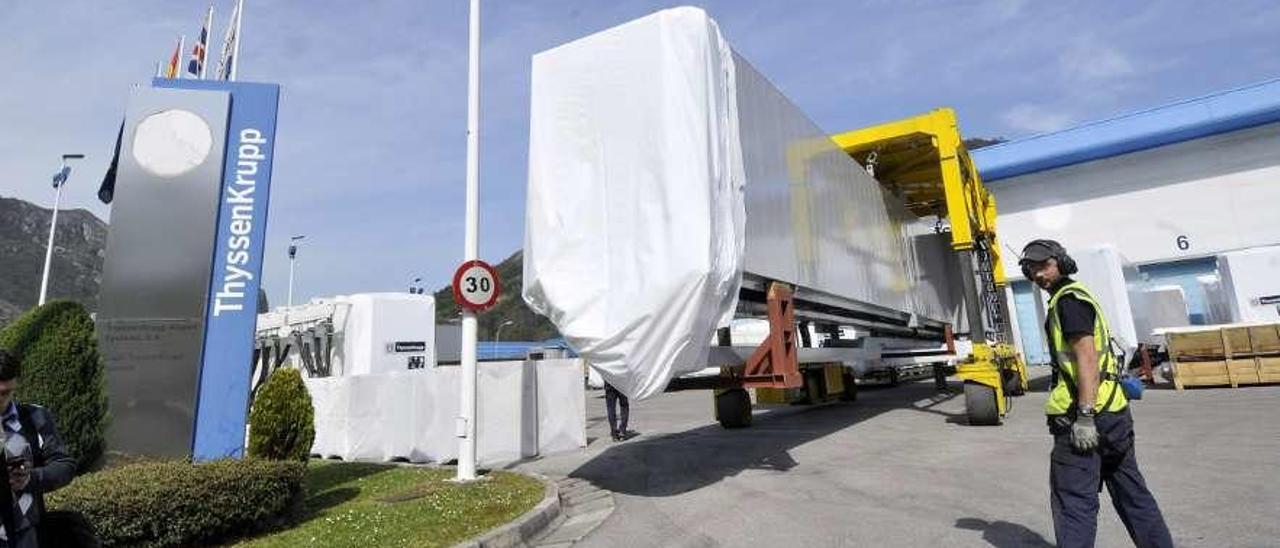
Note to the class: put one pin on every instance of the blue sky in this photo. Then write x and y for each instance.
(370, 151)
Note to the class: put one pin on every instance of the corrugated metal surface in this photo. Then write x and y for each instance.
(1213, 114)
(815, 218)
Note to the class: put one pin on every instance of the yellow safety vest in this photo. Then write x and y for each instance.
(1063, 395)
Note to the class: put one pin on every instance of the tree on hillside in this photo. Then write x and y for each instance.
(526, 324)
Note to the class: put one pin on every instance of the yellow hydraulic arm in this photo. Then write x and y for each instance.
(923, 159)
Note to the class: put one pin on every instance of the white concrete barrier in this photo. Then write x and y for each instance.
(526, 408)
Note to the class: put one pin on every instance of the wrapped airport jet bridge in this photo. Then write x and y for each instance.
(672, 188)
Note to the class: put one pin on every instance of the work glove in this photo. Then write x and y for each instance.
(1084, 435)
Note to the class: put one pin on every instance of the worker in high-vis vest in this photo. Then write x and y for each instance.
(1088, 414)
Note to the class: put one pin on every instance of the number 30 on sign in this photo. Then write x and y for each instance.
(475, 286)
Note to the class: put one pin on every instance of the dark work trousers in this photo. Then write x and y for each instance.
(1075, 479)
(614, 399)
(25, 538)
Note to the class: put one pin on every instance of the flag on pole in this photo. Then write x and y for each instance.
(231, 46)
(172, 70)
(199, 52)
(107, 190)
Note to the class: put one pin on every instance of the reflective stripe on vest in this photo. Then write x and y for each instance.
(1060, 400)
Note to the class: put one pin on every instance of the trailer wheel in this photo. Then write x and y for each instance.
(980, 403)
(733, 408)
(850, 388)
(815, 389)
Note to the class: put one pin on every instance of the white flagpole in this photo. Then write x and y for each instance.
(182, 54)
(467, 417)
(221, 72)
(208, 37)
(235, 49)
(159, 70)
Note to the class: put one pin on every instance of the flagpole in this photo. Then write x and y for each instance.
(208, 37)
(158, 70)
(467, 417)
(235, 48)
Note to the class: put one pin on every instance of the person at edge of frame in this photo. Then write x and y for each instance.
(35, 462)
(1088, 414)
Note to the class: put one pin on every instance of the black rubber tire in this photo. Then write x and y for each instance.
(850, 388)
(733, 408)
(980, 404)
(814, 386)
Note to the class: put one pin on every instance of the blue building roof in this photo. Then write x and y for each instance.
(1212, 114)
(517, 350)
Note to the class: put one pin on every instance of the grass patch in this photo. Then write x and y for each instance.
(360, 504)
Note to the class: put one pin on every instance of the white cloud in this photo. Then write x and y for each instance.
(370, 156)
(1005, 10)
(1031, 118)
(1089, 60)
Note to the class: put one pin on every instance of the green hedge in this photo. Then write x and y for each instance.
(282, 421)
(176, 503)
(62, 371)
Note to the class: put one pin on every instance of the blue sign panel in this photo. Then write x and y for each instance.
(222, 399)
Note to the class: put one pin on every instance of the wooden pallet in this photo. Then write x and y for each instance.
(1225, 355)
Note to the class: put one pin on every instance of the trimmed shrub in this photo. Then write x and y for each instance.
(62, 371)
(282, 421)
(176, 503)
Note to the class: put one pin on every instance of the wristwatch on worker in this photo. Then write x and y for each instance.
(1086, 411)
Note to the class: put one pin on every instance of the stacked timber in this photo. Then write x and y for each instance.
(1224, 355)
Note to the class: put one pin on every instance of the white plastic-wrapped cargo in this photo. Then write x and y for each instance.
(1163, 306)
(662, 167)
(1118, 286)
(1251, 281)
(1216, 308)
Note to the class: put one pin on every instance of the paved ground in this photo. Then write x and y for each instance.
(900, 468)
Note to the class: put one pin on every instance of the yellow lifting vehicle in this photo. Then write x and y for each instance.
(923, 160)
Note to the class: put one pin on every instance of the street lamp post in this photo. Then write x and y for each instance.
(59, 179)
(498, 334)
(293, 254)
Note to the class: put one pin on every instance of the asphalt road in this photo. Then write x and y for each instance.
(900, 468)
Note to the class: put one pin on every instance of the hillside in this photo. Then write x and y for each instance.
(77, 259)
(528, 326)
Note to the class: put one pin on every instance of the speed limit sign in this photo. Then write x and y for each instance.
(475, 286)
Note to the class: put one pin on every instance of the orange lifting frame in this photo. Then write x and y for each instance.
(775, 364)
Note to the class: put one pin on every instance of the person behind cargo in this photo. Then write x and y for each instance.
(35, 461)
(613, 399)
(1088, 414)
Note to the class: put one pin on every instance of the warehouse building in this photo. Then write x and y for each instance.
(1171, 188)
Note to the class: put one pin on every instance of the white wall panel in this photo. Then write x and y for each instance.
(1222, 193)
